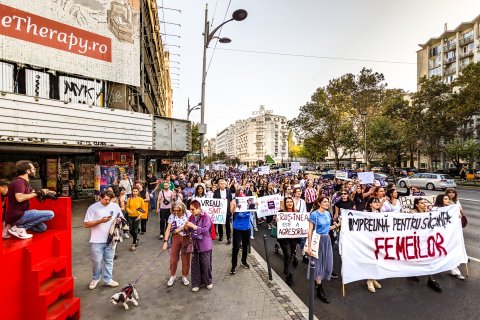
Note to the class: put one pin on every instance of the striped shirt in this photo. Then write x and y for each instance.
(310, 195)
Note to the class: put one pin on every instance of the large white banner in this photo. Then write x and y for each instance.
(407, 202)
(390, 245)
(96, 38)
(268, 205)
(216, 208)
(292, 225)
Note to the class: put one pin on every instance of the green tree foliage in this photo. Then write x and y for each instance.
(459, 149)
(467, 92)
(195, 138)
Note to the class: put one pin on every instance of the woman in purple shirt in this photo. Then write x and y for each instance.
(200, 225)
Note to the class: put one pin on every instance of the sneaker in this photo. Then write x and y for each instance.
(93, 284)
(19, 232)
(334, 275)
(269, 227)
(112, 283)
(245, 265)
(126, 236)
(133, 248)
(171, 281)
(210, 286)
(142, 232)
(255, 229)
(160, 237)
(185, 281)
(220, 239)
(228, 241)
(5, 233)
(434, 285)
(195, 289)
(233, 270)
(252, 238)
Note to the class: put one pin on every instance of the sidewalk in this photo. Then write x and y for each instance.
(246, 295)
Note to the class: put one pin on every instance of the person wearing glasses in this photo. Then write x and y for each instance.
(19, 217)
(419, 206)
(176, 227)
(320, 220)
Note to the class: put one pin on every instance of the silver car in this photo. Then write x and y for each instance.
(430, 181)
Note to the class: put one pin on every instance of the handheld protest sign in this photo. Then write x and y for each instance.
(292, 225)
(216, 208)
(268, 205)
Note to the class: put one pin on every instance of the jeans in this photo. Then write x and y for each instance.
(153, 201)
(102, 257)
(34, 220)
(134, 224)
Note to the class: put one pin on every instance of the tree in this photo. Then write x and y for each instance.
(458, 149)
(467, 96)
(195, 138)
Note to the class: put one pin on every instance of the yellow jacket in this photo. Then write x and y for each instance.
(132, 205)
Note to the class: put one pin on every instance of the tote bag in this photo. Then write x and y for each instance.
(315, 242)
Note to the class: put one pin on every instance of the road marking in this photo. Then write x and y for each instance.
(474, 259)
(473, 200)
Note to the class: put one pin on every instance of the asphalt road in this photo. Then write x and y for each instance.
(400, 298)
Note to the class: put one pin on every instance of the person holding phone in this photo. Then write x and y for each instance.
(99, 218)
(134, 208)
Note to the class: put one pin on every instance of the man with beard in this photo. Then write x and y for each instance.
(18, 216)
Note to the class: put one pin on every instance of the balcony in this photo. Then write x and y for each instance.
(449, 72)
(466, 54)
(450, 60)
(466, 40)
(449, 47)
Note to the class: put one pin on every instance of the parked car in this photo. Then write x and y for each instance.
(385, 177)
(430, 181)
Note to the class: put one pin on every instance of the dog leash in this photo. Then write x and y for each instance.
(148, 267)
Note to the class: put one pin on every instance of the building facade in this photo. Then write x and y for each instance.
(253, 139)
(85, 96)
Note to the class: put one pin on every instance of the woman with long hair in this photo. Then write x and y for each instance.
(288, 245)
(373, 284)
(453, 197)
(320, 222)
(392, 204)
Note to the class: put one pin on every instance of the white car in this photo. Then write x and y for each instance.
(430, 181)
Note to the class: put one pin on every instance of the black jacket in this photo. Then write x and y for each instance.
(216, 195)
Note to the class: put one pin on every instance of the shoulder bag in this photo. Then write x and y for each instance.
(315, 242)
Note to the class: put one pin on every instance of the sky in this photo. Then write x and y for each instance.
(356, 33)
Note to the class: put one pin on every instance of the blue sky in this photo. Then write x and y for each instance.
(239, 82)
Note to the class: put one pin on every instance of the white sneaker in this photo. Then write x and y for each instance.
(93, 284)
(19, 232)
(210, 286)
(171, 281)
(126, 236)
(112, 283)
(185, 281)
(255, 229)
(195, 289)
(252, 238)
(5, 233)
(160, 237)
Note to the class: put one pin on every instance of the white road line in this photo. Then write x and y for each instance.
(469, 200)
(474, 259)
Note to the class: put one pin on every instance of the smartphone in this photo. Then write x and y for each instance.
(141, 210)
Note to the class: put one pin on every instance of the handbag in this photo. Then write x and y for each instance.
(274, 232)
(188, 247)
(315, 242)
(165, 201)
(464, 221)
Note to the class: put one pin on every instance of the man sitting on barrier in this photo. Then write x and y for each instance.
(19, 217)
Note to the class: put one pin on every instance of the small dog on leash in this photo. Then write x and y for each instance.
(128, 293)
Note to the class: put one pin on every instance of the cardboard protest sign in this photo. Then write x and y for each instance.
(246, 204)
(407, 202)
(342, 175)
(264, 170)
(268, 205)
(295, 167)
(216, 208)
(207, 167)
(366, 177)
(390, 245)
(292, 225)
(216, 167)
(242, 167)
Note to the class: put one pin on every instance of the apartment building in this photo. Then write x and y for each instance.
(251, 140)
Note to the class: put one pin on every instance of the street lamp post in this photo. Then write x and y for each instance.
(238, 15)
(190, 109)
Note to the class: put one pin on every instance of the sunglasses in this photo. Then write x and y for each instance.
(344, 193)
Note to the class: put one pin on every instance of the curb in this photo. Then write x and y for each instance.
(282, 285)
